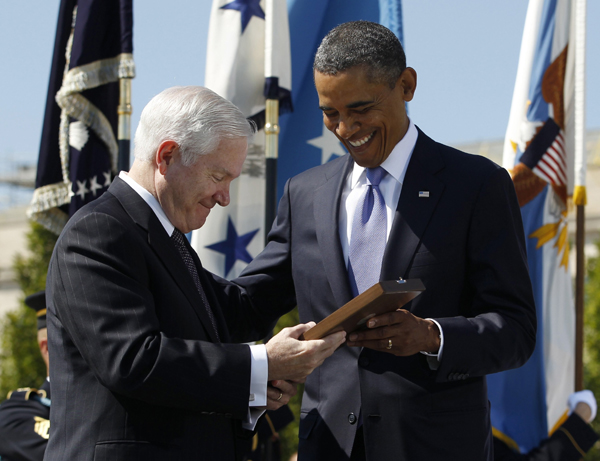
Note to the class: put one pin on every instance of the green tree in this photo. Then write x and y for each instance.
(21, 364)
(591, 353)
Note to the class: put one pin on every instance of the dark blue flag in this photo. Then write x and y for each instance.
(79, 150)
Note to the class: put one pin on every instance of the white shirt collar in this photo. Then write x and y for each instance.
(397, 161)
(150, 200)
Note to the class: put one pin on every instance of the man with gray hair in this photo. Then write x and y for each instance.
(400, 205)
(145, 364)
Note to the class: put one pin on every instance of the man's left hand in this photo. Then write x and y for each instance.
(279, 393)
(399, 333)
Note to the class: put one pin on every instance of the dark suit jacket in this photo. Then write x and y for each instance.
(466, 243)
(135, 372)
(569, 442)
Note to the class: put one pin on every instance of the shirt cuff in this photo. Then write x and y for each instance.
(259, 373)
(437, 355)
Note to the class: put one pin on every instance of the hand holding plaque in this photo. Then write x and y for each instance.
(380, 298)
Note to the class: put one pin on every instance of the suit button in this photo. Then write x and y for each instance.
(363, 361)
(352, 418)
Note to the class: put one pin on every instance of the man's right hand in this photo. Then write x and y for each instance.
(292, 359)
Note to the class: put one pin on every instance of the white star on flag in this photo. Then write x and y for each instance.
(94, 186)
(81, 189)
(329, 145)
(107, 179)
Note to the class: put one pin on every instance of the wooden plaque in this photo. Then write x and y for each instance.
(380, 298)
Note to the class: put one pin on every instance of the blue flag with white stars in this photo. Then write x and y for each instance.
(304, 142)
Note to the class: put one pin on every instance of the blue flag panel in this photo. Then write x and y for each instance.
(304, 142)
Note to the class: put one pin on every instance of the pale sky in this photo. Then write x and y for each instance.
(465, 53)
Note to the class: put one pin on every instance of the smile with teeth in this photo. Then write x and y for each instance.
(361, 141)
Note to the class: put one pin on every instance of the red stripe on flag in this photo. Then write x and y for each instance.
(560, 151)
(557, 161)
(549, 170)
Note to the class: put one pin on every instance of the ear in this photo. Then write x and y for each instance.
(165, 155)
(43, 344)
(408, 83)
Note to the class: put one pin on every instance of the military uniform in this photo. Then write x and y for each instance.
(25, 424)
(570, 442)
(25, 414)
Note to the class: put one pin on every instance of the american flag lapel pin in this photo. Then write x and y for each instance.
(423, 194)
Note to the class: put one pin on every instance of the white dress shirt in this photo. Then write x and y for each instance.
(390, 187)
(259, 368)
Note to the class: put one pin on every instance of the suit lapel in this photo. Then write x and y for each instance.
(212, 300)
(326, 213)
(163, 247)
(413, 212)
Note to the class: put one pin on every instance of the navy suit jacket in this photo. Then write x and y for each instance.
(465, 242)
(136, 372)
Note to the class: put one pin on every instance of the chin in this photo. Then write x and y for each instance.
(199, 223)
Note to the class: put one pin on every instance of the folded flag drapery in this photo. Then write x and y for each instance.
(79, 150)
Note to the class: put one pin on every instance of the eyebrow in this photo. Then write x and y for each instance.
(225, 171)
(353, 105)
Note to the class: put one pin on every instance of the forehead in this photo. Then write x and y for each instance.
(227, 158)
(346, 88)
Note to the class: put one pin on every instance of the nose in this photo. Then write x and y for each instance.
(346, 127)
(222, 195)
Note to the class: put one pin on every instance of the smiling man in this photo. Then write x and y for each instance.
(400, 205)
(144, 364)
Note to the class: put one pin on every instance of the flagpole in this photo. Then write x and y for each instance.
(579, 288)
(271, 154)
(124, 132)
(579, 194)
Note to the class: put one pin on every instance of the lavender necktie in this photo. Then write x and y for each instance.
(369, 235)
(180, 242)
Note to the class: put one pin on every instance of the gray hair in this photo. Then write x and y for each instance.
(196, 118)
(362, 43)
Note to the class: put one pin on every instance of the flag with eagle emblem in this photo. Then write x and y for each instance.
(530, 402)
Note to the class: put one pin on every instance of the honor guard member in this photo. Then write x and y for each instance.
(569, 442)
(25, 415)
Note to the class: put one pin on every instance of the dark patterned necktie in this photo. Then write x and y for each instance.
(369, 235)
(180, 242)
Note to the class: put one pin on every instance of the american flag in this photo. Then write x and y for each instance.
(546, 154)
